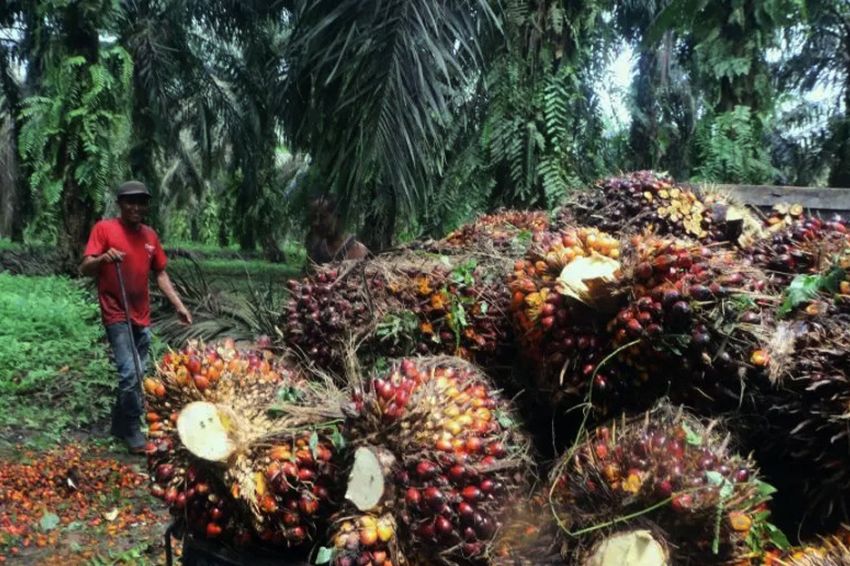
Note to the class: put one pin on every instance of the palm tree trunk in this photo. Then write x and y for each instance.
(77, 207)
(643, 133)
(839, 175)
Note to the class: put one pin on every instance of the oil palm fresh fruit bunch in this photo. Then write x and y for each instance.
(694, 315)
(833, 550)
(326, 306)
(803, 436)
(666, 482)
(644, 201)
(400, 304)
(559, 294)
(439, 457)
(507, 231)
(362, 539)
(805, 245)
(238, 444)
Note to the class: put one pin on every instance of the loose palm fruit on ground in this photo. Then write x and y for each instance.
(439, 450)
(667, 474)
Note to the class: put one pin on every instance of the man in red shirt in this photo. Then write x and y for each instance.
(135, 249)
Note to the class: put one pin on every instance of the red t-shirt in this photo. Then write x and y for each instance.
(144, 253)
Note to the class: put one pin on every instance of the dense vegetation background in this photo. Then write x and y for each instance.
(415, 113)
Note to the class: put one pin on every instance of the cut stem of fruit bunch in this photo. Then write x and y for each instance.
(439, 451)
(666, 472)
(240, 445)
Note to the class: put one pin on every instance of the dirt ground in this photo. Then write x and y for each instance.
(84, 501)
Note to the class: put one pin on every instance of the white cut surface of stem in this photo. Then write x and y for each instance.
(203, 433)
(634, 548)
(366, 481)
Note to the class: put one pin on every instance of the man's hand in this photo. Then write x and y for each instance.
(112, 256)
(184, 315)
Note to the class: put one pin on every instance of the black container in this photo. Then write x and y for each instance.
(204, 553)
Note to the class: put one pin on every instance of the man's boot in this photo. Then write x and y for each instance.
(135, 439)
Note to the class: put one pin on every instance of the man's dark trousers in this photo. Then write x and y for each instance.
(129, 405)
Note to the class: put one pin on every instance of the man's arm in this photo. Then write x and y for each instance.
(163, 281)
(91, 263)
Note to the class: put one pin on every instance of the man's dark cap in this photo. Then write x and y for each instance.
(128, 188)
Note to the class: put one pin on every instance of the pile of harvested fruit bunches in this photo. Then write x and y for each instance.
(508, 231)
(664, 479)
(644, 201)
(228, 454)
(401, 304)
(439, 460)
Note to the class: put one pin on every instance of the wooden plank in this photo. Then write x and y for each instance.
(814, 198)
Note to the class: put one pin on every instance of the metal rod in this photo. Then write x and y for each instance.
(136, 362)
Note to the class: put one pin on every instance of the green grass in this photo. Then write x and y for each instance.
(54, 370)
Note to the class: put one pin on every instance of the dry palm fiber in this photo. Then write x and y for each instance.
(238, 444)
(644, 201)
(439, 460)
(529, 535)
(401, 304)
(639, 319)
(801, 245)
(804, 436)
(829, 551)
(665, 476)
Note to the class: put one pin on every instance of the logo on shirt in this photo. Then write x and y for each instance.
(150, 249)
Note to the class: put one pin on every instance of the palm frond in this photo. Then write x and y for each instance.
(368, 88)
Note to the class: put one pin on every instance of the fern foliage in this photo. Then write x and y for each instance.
(77, 127)
(541, 133)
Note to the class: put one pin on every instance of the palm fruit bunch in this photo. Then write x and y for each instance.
(648, 201)
(401, 304)
(833, 550)
(803, 436)
(324, 306)
(556, 291)
(694, 314)
(665, 482)
(237, 447)
(439, 452)
(363, 539)
(507, 231)
(804, 245)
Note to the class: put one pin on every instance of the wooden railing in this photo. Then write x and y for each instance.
(817, 199)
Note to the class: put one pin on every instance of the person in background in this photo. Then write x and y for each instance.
(127, 244)
(326, 240)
